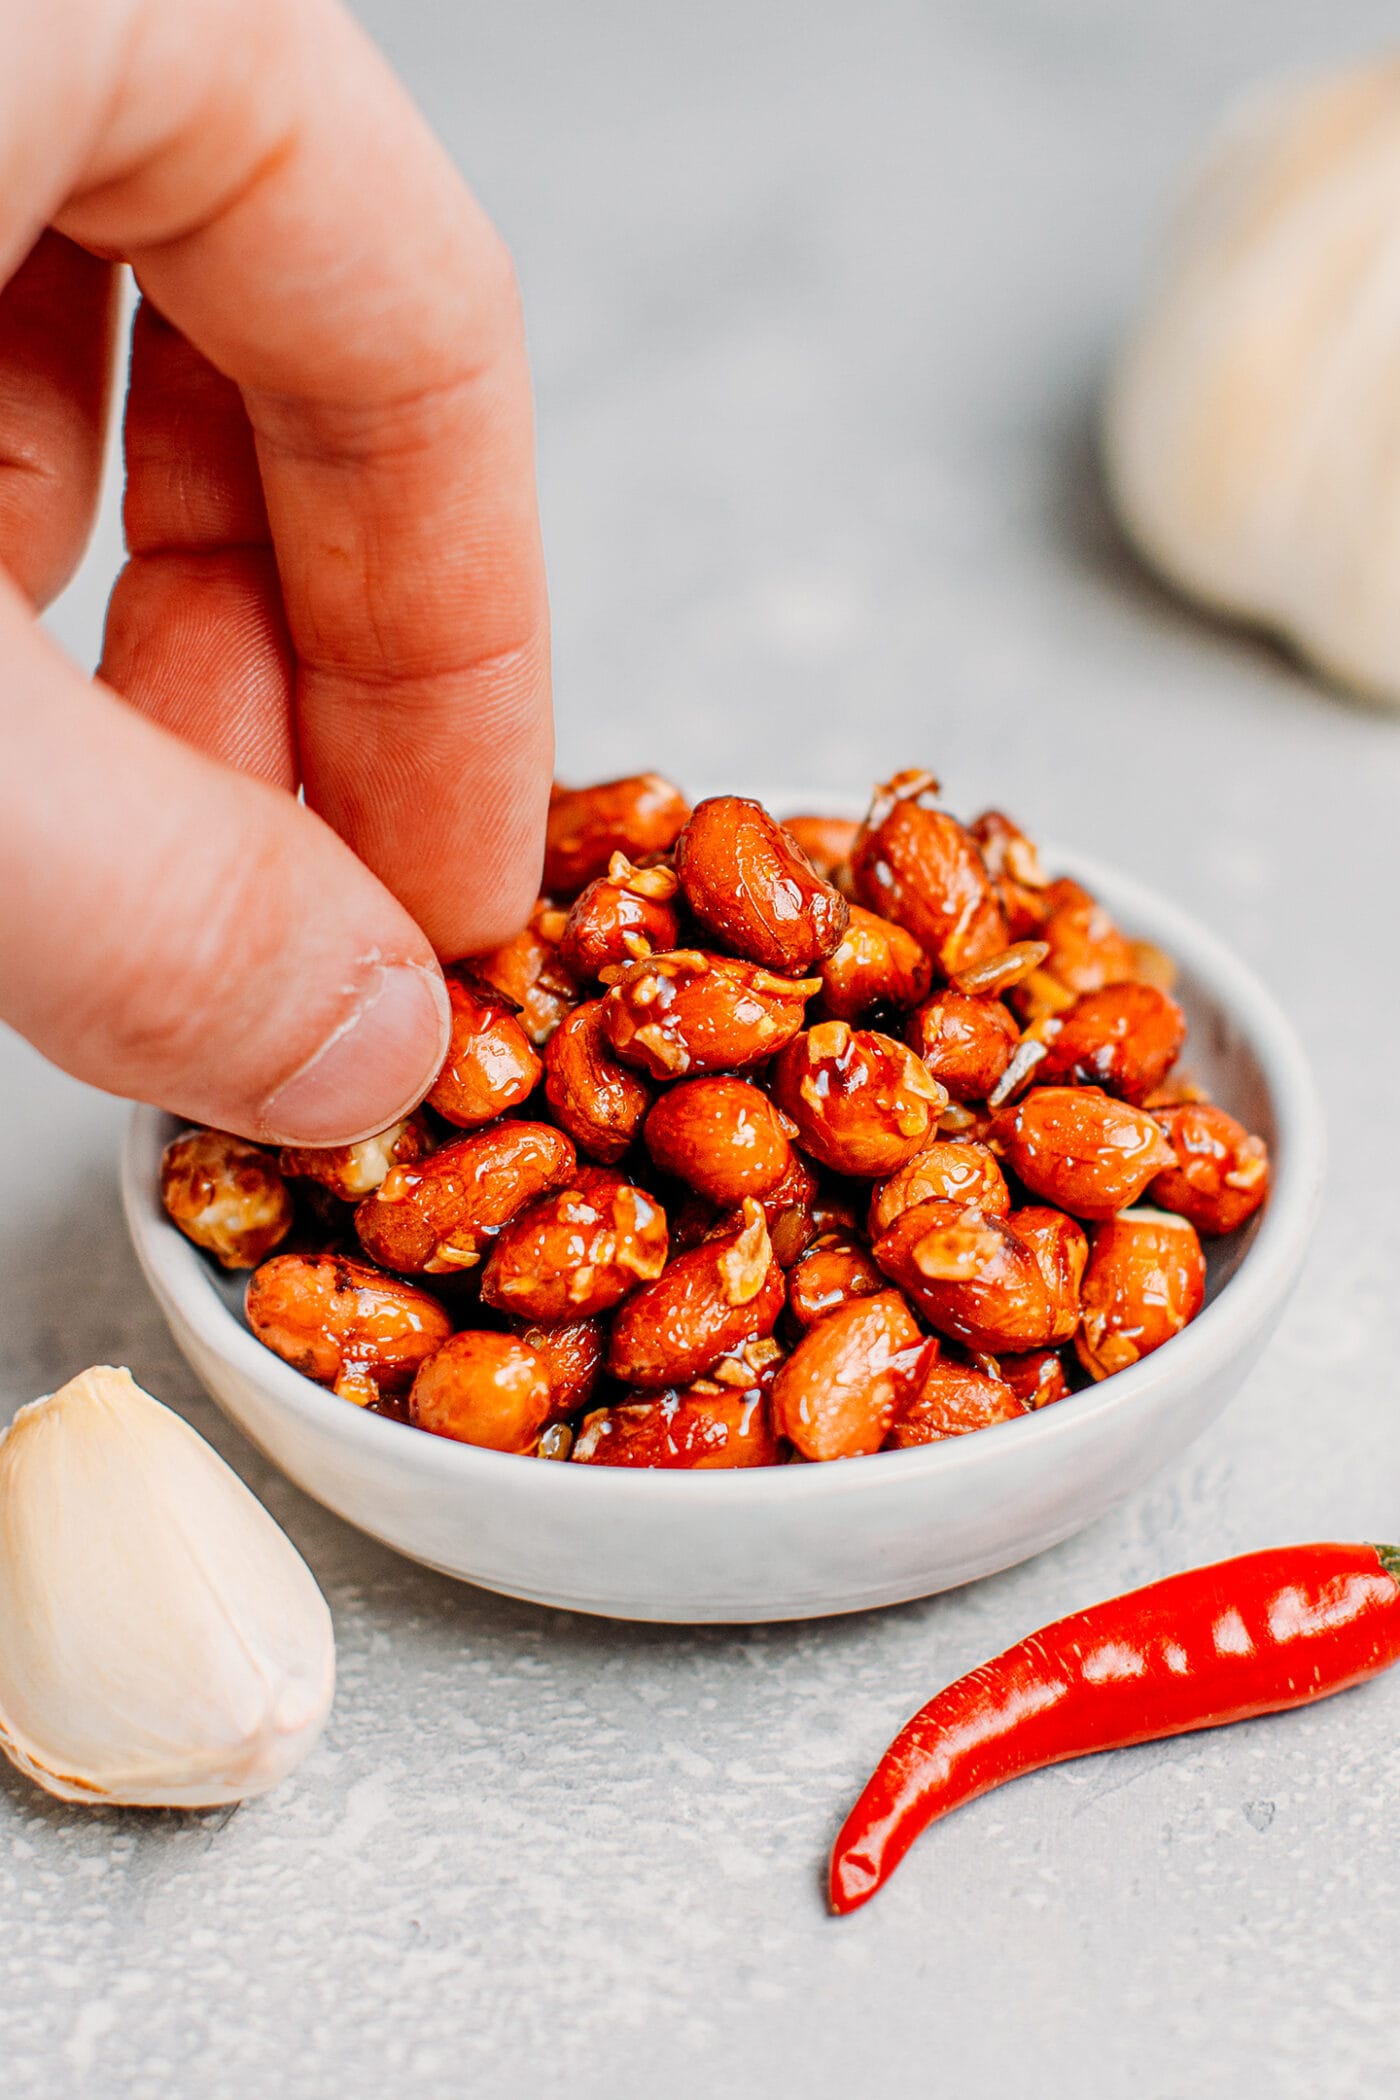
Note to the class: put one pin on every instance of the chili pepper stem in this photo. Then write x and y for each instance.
(1389, 1558)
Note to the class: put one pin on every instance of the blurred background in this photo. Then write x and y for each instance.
(820, 297)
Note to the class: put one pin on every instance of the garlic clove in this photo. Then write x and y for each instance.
(162, 1642)
(1248, 429)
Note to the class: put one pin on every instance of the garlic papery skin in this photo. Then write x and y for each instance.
(1252, 428)
(162, 1642)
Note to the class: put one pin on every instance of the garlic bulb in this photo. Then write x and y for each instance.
(1253, 425)
(162, 1643)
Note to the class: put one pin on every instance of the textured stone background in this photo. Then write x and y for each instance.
(820, 295)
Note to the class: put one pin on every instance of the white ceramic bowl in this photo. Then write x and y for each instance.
(792, 1542)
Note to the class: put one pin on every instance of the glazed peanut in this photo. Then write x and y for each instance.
(1146, 1278)
(528, 970)
(951, 1399)
(639, 816)
(970, 1275)
(600, 1102)
(488, 1389)
(572, 1354)
(967, 1043)
(793, 1209)
(1036, 1378)
(620, 917)
(826, 841)
(1014, 866)
(439, 1214)
(915, 864)
(353, 1171)
(1220, 1174)
(708, 1302)
(833, 1271)
(1081, 1150)
(345, 1324)
(841, 1388)
(688, 1012)
(576, 1251)
(490, 1065)
(703, 1425)
(1061, 1251)
(950, 1172)
(1125, 1039)
(877, 963)
(226, 1195)
(721, 1136)
(862, 1102)
(1087, 952)
(753, 891)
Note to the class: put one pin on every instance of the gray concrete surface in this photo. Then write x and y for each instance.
(819, 297)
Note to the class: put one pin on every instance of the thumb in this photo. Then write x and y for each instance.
(181, 933)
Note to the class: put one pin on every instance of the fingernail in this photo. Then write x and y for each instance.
(377, 1065)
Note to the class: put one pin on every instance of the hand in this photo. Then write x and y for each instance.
(335, 578)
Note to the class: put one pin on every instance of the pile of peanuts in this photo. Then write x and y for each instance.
(760, 1143)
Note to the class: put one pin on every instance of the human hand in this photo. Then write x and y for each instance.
(335, 577)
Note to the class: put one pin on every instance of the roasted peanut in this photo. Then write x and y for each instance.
(826, 841)
(1087, 952)
(1081, 1149)
(1220, 1174)
(344, 1323)
(877, 963)
(226, 1195)
(528, 970)
(841, 1388)
(600, 1102)
(1145, 1280)
(353, 1171)
(793, 1211)
(487, 1389)
(703, 1306)
(439, 1214)
(862, 1102)
(1014, 866)
(1061, 1250)
(1036, 1378)
(572, 1354)
(833, 1271)
(576, 1251)
(971, 1276)
(639, 816)
(721, 1136)
(967, 1043)
(1124, 1039)
(915, 864)
(752, 890)
(688, 1013)
(950, 1399)
(490, 1065)
(948, 1171)
(620, 917)
(703, 1425)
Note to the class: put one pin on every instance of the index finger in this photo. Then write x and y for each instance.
(283, 203)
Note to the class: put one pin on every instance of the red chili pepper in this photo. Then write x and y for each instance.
(1247, 1636)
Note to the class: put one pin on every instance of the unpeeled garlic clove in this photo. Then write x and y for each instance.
(162, 1642)
(1249, 427)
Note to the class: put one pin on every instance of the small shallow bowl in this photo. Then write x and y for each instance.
(792, 1542)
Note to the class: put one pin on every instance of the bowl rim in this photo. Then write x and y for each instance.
(178, 1274)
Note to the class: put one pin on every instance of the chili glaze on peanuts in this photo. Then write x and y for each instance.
(757, 1144)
